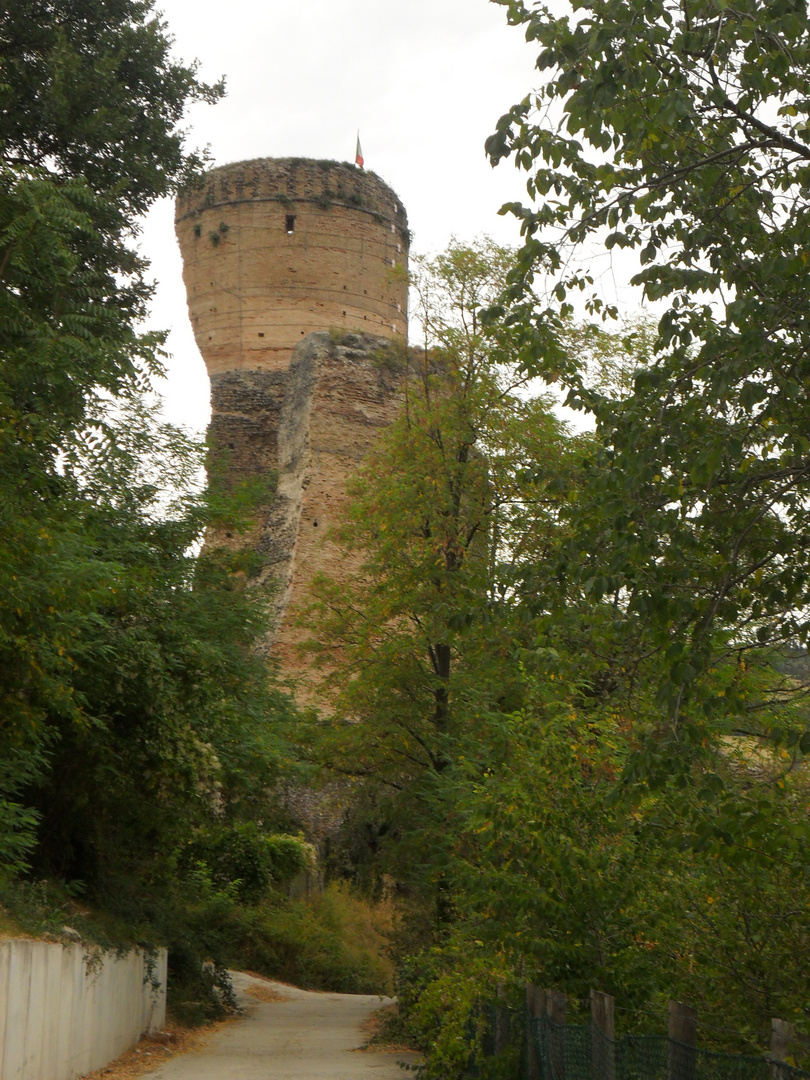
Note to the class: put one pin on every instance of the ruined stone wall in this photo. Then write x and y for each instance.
(282, 259)
(340, 395)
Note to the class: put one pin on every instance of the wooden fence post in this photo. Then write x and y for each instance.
(682, 1031)
(781, 1038)
(556, 1008)
(501, 1021)
(535, 1009)
(603, 1034)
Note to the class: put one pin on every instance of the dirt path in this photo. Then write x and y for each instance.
(290, 1034)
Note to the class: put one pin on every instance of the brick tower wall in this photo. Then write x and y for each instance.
(273, 250)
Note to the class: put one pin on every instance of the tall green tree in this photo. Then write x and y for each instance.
(420, 643)
(90, 135)
(173, 724)
(677, 134)
(555, 882)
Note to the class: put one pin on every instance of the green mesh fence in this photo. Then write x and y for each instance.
(585, 1053)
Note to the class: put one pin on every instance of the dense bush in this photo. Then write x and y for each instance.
(250, 860)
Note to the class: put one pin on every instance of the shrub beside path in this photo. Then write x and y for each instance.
(290, 1034)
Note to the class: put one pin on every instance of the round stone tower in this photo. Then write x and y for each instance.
(273, 250)
(277, 248)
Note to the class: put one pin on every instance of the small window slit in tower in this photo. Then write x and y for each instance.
(289, 223)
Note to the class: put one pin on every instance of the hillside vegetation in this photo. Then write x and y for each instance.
(566, 692)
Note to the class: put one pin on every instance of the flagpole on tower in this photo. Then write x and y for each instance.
(358, 156)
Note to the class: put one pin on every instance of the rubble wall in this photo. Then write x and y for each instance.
(341, 393)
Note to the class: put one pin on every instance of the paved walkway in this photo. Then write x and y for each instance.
(306, 1036)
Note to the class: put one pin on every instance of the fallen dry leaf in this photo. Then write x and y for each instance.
(153, 1050)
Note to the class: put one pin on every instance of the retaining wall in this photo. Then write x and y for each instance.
(66, 1011)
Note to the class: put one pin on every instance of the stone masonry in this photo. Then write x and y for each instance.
(296, 277)
(340, 395)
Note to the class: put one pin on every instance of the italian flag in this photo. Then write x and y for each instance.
(358, 156)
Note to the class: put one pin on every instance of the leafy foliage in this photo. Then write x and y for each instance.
(158, 723)
(549, 831)
(442, 525)
(638, 824)
(90, 135)
(78, 82)
(250, 859)
(554, 882)
(682, 139)
(136, 717)
(157, 674)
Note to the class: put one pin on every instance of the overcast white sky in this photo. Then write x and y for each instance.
(424, 81)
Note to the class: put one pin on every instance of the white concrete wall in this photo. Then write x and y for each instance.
(66, 1010)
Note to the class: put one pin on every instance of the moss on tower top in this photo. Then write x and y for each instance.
(295, 180)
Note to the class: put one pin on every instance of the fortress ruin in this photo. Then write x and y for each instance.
(296, 277)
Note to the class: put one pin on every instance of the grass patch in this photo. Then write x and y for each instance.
(333, 941)
(9, 926)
